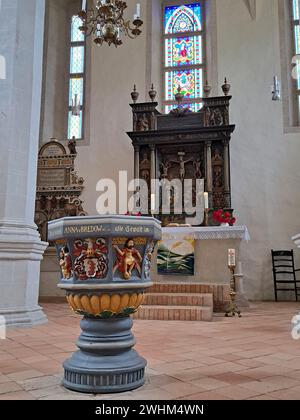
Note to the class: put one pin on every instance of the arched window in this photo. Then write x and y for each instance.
(76, 80)
(184, 62)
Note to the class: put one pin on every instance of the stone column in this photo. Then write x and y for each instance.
(208, 171)
(21, 250)
(226, 174)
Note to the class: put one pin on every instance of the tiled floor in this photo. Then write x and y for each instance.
(254, 357)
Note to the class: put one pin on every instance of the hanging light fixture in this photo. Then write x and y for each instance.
(104, 19)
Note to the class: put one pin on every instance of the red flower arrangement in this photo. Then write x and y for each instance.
(133, 214)
(222, 216)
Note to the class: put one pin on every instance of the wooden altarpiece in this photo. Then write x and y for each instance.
(200, 139)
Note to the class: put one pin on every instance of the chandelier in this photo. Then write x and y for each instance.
(104, 19)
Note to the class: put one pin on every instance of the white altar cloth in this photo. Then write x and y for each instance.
(205, 233)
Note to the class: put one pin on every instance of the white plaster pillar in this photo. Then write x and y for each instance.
(21, 250)
(241, 297)
(296, 239)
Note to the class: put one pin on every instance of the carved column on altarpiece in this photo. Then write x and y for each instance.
(208, 171)
(136, 162)
(136, 167)
(153, 159)
(226, 174)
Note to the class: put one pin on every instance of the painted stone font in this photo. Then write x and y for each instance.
(105, 266)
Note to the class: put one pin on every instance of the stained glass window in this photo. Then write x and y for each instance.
(184, 59)
(76, 80)
(185, 18)
(183, 51)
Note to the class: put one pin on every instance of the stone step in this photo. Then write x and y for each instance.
(176, 299)
(181, 288)
(175, 313)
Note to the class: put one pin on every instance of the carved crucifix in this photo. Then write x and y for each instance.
(181, 164)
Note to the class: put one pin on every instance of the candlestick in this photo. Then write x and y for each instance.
(206, 204)
(231, 257)
(138, 10)
(206, 217)
(232, 309)
(276, 89)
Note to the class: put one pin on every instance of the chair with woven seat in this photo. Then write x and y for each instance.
(284, 273)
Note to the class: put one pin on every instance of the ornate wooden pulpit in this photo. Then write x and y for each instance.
(58, 186)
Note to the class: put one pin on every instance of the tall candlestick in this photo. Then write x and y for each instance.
(206, 205)
(138, 10)
(231, 257)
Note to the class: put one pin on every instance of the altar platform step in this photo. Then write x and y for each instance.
(181, 288)
(178, 302)
(220, 292)
(175, 313)
(179, 299)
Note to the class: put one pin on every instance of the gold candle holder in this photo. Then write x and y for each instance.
(206, 217)
(232, 307)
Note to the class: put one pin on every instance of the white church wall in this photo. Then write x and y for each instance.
(113, 73)
(264, 160)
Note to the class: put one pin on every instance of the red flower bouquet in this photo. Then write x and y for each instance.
(222, 216)
(133, 214)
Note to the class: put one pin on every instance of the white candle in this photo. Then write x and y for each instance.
(138, 10)
(231, 257)
(83, 5)
(153, 203)
(135, 17)
(206, 205)
(119, 32)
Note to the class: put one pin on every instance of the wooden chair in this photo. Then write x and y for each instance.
(284, 267)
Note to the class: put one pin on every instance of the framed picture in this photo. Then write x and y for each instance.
(176, 257)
